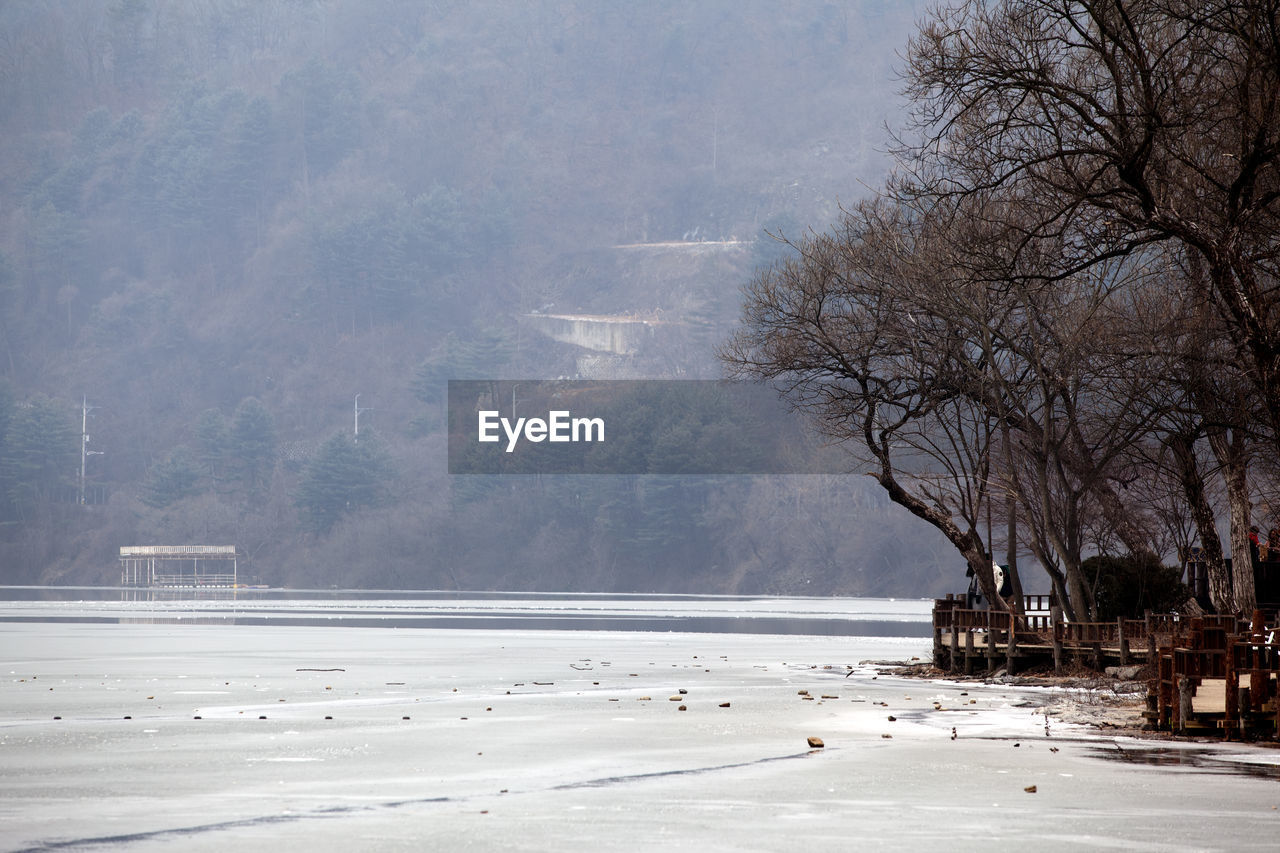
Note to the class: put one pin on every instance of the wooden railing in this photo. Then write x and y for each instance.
(1247, 664)
(1038, 603)
(1241, 656)
(189, 580)
(1125, 640)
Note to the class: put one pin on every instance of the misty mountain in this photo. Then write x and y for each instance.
(224, 219)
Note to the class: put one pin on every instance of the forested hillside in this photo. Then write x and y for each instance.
(222, 220)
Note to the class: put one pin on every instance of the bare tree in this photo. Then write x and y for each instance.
(1211, 400)
(1124, 127)
(1121, 125)
(1054, 364)
(840, 329)
(963, 387)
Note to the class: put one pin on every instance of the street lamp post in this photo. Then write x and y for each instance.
(85, 452)
(355, 436)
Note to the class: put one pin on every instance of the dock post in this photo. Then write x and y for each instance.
(968, 653)
(942, 612)
(1055, 617)
(1165, 689)
(954, 663)
(1124, 643)
(1011, 646)
(991, 645)
(1184, 702)
(1151, 638)
(1257, 674)
(1231, 693)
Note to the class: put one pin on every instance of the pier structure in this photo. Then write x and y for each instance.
(967, 639)
(1205, 674)
(180, 566)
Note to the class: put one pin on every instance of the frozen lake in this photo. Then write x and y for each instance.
(876, 617)
(283, 722)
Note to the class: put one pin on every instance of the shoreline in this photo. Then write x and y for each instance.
(1102, 702)
(1099, 701)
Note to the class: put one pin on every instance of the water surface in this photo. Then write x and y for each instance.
(705, 614)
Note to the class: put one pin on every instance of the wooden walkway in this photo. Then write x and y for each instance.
(1215, 681)
(1210, 673)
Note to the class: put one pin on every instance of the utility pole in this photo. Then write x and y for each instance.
(355, 435)
(85, 452)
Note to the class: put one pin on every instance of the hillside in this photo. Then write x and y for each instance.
(223, 220)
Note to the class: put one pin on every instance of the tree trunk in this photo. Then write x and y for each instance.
(1081, 593)
(1064, 538)
(1193, 487)
(1242, 575)
(1056, 580)
(968, 544)
(1011, 555)
(1233, 459)
(1011, 532)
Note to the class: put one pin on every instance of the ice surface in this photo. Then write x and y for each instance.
(279, 607)
(538, 740)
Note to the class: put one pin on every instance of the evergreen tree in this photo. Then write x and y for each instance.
(252, 444)
(247, 159)
(40, 452)
(481, 353)
(212, 432)
(325, 101)
(172, 480)
(343, 476)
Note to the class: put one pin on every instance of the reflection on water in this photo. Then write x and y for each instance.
(139, 593)
(473, 610)
(1191, 758)
(685, 624)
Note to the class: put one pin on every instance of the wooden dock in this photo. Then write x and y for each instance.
(1214, 681)
(1207, 674)
(180, 566)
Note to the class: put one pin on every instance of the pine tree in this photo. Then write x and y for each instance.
(40, 451)
(172, 480)
(212, 433)
(252, 444)
(343, 477)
